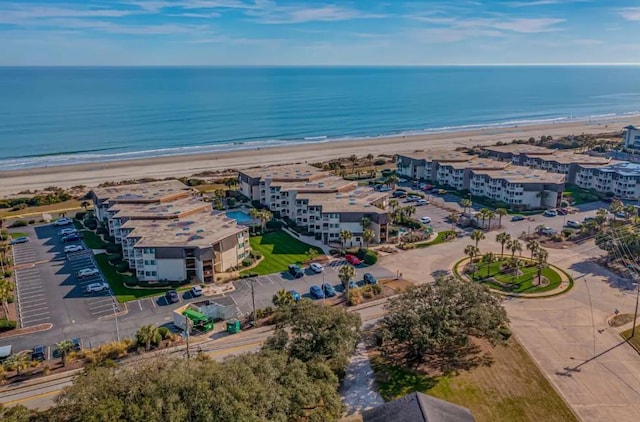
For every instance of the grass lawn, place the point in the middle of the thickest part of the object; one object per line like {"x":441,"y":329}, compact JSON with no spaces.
{"x":580,"y":196}
{"x":15,"y":235}
{"x":512,"y":389}
{"x":92,"y":240}
{"x":279,"y":249}
{"x":431,"y":242}
{"x":525,"y":282}
{"x":635,"y":340}
{"x":116,"y":281}
{"x":68,"y":206}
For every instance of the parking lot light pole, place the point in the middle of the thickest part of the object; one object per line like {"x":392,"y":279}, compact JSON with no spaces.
{"x":115,"y":314}
{"x":324,"y":296}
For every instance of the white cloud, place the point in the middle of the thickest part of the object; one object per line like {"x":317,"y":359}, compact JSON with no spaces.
{"x":529,"y":26}
{"x":543,"y":2}
{"x":630,"y":13}
{"x":270,"y":13}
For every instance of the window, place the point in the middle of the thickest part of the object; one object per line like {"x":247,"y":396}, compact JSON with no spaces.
{"x":154,"y":274}
{"x":146,"y":262}
{"x":147,"y":273}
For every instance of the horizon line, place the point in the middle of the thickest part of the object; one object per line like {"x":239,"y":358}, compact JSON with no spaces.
{"x":319,"y":65}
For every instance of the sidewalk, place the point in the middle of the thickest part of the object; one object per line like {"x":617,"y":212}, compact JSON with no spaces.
{"x":359,"y":389}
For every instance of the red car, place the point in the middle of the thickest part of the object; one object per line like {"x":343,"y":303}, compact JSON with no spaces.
{"x":352,"y":259}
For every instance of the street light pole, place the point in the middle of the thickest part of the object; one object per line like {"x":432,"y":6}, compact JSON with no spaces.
{"x":635,"y":314}
{"x":253,"y":300}
{"x":324,"y":296}
{"x":115,"y":314}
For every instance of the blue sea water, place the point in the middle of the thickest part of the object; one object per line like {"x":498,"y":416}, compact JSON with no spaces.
{"x":54,"y":116}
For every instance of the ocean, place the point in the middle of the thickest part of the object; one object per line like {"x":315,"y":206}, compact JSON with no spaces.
{"x":57,"y":116}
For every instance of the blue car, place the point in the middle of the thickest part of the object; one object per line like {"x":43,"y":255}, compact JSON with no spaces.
{"x":295,"y":295}
{"x":316,"y":292}
{"x":369,"y":278}
{"x":328,"y":290}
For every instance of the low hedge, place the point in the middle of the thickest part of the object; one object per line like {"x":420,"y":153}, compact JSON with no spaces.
{"x":113,"y":248}
{"x":7,"y":324}
{"x":122,"y":267}
{"x":115,"y":259}
{"x":19,"y":223}
{"x":80,"y":215}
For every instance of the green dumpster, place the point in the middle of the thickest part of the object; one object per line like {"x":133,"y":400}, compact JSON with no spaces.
{"x":233,"y":326}
{"x":199,"y":321}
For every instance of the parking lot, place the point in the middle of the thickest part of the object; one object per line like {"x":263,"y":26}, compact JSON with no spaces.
{"x":31,"y":298}
{"x":98,"y":304}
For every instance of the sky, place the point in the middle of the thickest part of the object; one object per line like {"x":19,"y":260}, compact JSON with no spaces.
{"x":299,"y":32}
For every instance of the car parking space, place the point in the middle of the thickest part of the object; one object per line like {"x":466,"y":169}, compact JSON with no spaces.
{"x":23,"y":253}
{"x":31,"y":298}
{"x":99,"y":303}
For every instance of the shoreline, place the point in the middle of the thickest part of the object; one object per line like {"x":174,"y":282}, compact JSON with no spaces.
{"x":92,"y":174}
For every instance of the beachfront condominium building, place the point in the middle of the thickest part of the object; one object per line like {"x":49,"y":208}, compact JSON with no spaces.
{"x":631,"y":137}
{"x":621,"y":179}
{"x":168,"y":233}
{"x":423,"y":165}
{"x":457,"y":175}
{"x":322,"y":203}
{"x":520,"y":188}
{"x":513,"y":152}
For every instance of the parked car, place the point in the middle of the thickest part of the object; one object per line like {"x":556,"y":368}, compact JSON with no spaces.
{"x":316,"y":268}
{"x":548,"y":231}
{"x":96,"y":287}
{"x":88,"y":272}
{"x":426,"y":187}
{"x":73,"y":248}
{"x":67,"y":231}
{"x":413,"y":198}
{"x":369,"y":278}
{"x":295,"y":295}
{"x":441,"y":191}
{"x":573,"y":224}
{"x":425,"y":220}
{"x":328,"y":290}
{"x":563,"y":211}
{"x":64,"y":221}
{"x":517,"y":218}
{"x":622,"y":214}
{"x":196,"y":291}
{"x":23,"y":239}
{"x":384,"y":189}
{"x":352,"y":259}
{"x":587,"y":219}
{"x":316,"y":292}
{"x":74,"y":237}
{"x":77,"y":344}
{"x":296,"y":271}
{"x":550,"y":213}
{"x":171,"y":296}
{"x":420,"y":202}
{"x":399,"y":194}
{"x":39,"y":353}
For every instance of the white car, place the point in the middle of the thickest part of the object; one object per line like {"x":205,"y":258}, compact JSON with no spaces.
{"x":88,"y":272}
{"x":548,"y":231}
{"x":420,"y":202}
{"x":73,"y":248}
{"x":316,"y":268}
{"x":550,"y":213}
{"x":64,"y":221}
{"x":573,"y":224}
{"x":196,"y":291}
{"x":425,"y":220}
{"x":96,"y":287}
{"x":384,"y":189}
{"x":414,"y":198}
{"x":67,"y":231}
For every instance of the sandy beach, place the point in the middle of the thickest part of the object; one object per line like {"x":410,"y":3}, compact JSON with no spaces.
{"x":186,"y":165}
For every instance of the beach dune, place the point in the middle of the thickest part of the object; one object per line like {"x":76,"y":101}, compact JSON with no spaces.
{"x":93,"y":174}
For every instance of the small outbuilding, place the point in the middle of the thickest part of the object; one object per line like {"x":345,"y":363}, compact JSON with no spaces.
{"x":418,"y":407}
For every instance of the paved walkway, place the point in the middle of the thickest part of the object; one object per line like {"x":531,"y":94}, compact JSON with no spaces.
{"x":359,"y":389}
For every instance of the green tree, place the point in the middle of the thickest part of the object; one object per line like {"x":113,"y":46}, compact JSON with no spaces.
{"x":514,"y":246}
{"x":465,"y":204}
{"x":264,"y":216}
{"x":540,"y":257}
{"x":310,"y":332}
{"x":488,"y":259}
{"x":312,"y":253}
{"x":601,"y":216}
{"x":148,"y":334}
{"x":471,"y":251}
{"x":484,"y":214}
{"x":354,"y":159}
{"x":616,"y":207}
{"x":345,"y":236}
{"x":64,"y":347}
{"x":502,"y":239}
{"x":6,"y":292}
{"x":85,"y":205}
{"x":365,"y":222}
{"x":346,"y":273}
{"x":453,"y":219}
{"x":368,"y":236}
{"x":490,"y":216}
{"x":18,"y":362}
{"x":282,"y":298}
{"x":391,"y":180}
{"x":477,"y":236}
{"x":533,"y":246}
{"x":501,"y":213}
{"x":370,"y":158}
{"x":433,"y":324}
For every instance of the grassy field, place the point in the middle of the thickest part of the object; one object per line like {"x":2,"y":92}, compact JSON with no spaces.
{"x":116,"y":281}
{"x":92,"y":240}
{"x":511,"y":390}
{"x":70,"y":207}
{"x":279,"y":249}
{"x":525,"y":282}
{"x":438,"y":240}
{"x":15,"y":235}
{"x":580,"y":196}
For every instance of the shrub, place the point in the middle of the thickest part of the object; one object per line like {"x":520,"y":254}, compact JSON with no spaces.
{"x":122,"y":267}
{"x":246,"y":262}
{"x":32,"y":221}
{"x":101,"y":230}
{"x":255,"y":255}
{"x":80,"y":215}
{"x":164,"y":332}
{"x":355,"y":297}
{"x":367,"y":292}
{"x":231,"y":202}
{"x":19,"y":223}
{"x":376,"y":288}
{"x":19,"y":207}
{"x":115,"y":259}
{"x":112,"y":248}
{"x":274,"y":224}
{"x":7,"y":324}
{"x":8,"y":273}
{"x":110,"y":239}
{"x":370,"y":258}
{"x":132,"y":282}
{"x":91,"y":224}
{"x":334,"y":252}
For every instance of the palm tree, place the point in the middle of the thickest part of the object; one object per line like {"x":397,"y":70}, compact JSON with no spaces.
{"x":345,"y":236}
{"x":514,"y":246}
{"x":465,"y":204}
{"x":148,"y":334}
{"x":471,"y":251}
{"x":488,"y":259}
{"x":346,"y":274}
{"x":19,"y":362}
{"x":483,"y":215}
{"x":490,"y":216}
{"x":264,"y":216}
{"x":453,"y":218}
{"x":312,"y":253}
{"x":541,"y":256}
{"x":368,"y":235}
{"x":6,"y":292}
{"x":616,"y":207}
{"x":370,"y":158}
{"x":533,"y":246}
{"x":64,"y":347}
{"x":408,"y":211}
{"x":601,"y":216}
{"x":502,"y":239}
{"x":391,"y":180}
{"x":393,"y":204}
{"x":282,"y":298}
{"x":477,"y":236}
{"x":365,"y":222}
{"x":354,"y":159}
{"x":501,"y":213}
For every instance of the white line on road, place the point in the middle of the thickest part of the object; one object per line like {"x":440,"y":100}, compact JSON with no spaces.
{"x":30,"y":316}
{"x":140,"y":304}
{"x":31,"y":321}
{"x":96,"y":308}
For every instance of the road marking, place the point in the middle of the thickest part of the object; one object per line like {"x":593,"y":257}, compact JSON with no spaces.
{"x":97,"y":308}
{"x":30,"y":296}
{"x":34,"y":397}
{"x":153,"y":302}
{"x":140,"y":304}
{"x":36,"y":314}
{"x":39,"y":287}
{"x":31,"y":304}
{"x":34,"y":321}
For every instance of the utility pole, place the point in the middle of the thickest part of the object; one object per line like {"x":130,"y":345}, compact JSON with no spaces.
{"x":635,"y":314}
{"x":115,"y":314}
{"x":253,"y":300}
{"x":188,"y":331}
{"x":324,"y":296}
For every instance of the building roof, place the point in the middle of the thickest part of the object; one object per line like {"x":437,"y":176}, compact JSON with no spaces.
{"x":199,"y":230}
{"x":566,"y":157}
{"x":479,"y":164}
{"x":631,"y":127}
{"x":165,"y":210}
{"x":327,"y":183}
{"x":524,"y":175}
{"x":159,"y":191}
{"x":418,"y":407}
{"x":357,"y":200}
{"x":285,"y":173}
{"x":442,"y":156}
{"x":622,"y":168}
{"x":520,"y":149}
